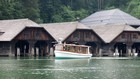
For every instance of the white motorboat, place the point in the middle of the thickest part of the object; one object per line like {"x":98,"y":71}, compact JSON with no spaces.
{"x":72,"y":51}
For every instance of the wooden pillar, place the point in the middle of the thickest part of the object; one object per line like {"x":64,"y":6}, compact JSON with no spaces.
{"x":37,"y":51}
{"x":18,"y":51}
{"x":12,"y":48}
{"x":100,"y":52}
{"x":129,"y":49}
{"x":48,"y":48}
{"x":110,"y":51}
{"x":33,"y":52}
{"x":99,"y":49}
{"x":10,"y":53}
{"x":96,"y":50}
{"x":134,"y":53}
{"x":116,"y":53}
{"x":51,"y":51}
{"x":31,"y":48}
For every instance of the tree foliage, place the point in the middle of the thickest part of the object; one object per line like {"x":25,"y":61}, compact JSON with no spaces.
{"x":62,"y":10}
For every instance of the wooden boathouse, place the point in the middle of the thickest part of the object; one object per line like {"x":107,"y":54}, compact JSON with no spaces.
{"x":23,"y":37}
{"x":118,"y":30}
{"x":107,"y":32}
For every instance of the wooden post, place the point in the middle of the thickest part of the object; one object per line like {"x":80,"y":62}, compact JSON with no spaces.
{"x":48,"y":49}
{"x":24,"y":50}
{"x":133,"y":51}
{"x":129,"y":49}
{"x":33,"y":52}
{"x":51,"y":51}
{"x":96,"y":51}
{"x":31,"y":47}
{"x":10,"y":53}
{"x":116,"y":52}
{"x":110,"y":52}
{"x":37,"y":51}
{"x":18,"y":51}
{"x":12,"y":48}
{"x":100,"y":52}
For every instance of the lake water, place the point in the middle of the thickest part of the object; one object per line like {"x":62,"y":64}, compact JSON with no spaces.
{"x":51,"y":68}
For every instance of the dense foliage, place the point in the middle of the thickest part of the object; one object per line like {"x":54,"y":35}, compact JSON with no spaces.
{"x":47,"y":11}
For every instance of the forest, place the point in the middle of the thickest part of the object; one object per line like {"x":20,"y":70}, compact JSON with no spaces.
{"x":50,"y":11}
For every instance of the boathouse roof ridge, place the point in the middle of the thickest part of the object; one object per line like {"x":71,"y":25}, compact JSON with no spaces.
{"x":110,"y":16}
{"x":82,"y":26}
{"x":11,"y":28}
{"x":60,"y":30}
{"x":108,"y":32}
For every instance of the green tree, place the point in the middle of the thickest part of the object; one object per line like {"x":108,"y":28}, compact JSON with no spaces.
{"x":10,"y":9}
{"x":134,"y":8}
{"x":49,"y":9}
{"x":31,"y":10}
{"x":6,"y":9}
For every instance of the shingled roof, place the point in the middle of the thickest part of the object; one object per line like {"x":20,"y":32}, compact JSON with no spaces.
{"x":64,"y":29}
{"x":11,"y":28}
{"x":113,"y":16}
{"x":110,"y":31}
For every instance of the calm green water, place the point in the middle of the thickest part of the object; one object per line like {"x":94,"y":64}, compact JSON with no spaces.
{"x":50,"y":68}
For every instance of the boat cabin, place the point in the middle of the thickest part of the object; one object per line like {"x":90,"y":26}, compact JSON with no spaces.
{"x":83,"y":49}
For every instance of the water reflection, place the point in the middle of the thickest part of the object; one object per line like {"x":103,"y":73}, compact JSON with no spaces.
{"x":71,"y":68}
{"x":50,"y":68}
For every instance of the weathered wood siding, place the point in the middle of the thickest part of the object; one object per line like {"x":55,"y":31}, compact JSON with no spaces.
{"x":128,"y":37}
{"x":33,"y":34}
{"x":83,"y":35}
{"x":4,"y":48}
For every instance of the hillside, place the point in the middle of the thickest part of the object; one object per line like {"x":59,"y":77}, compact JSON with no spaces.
{"x":46,"y":11}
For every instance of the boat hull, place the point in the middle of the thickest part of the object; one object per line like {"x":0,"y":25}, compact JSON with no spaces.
{"x":65,"y":54}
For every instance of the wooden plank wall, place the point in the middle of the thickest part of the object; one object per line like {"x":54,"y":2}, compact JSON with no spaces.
{"x":83,"y":35}
{"x":33,"y":34}
{"x":4,"y":48}
{"x":130,"y":37}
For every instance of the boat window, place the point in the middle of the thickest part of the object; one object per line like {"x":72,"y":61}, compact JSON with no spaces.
{"x":76,"y":49}
{"x":59,"y":47}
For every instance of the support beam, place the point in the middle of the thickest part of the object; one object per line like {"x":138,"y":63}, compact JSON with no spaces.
{"x":18,"y":51}
{"x":129,"y":47}
{"x":33,"y":52}
{"x":129,"y":51}
{"x":100,"y":52}
{"x":12,"y":48}
{"x":37,"y":51}
{"x":51,"y":51}
{"x":116,"y":53}
{"x":10,"y":53}
{"x":31,"y":48}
